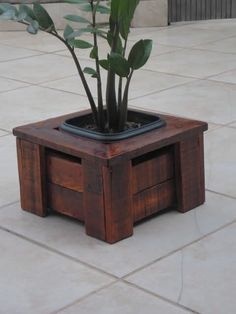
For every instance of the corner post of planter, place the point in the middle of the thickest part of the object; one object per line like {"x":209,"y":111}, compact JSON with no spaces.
{"x":31,"y":165}
{"x":190,"y":181}
{"x":108,"y":200}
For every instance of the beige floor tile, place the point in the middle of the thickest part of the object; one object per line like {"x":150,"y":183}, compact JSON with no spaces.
{"x":228,"y":77}
{"x":226,"y":45}
{"x":9,"y":189}
{"x":34,"y":103}
{"x":151,"y":240}
{"x":122,"y":298}
{"x":9,"y":53}
{"x":143,"y":83}
{"x":2,"y":133}
{"x":34,"y":280}
{"x":233,"y":125}
{"x":38,"y":69}
{"x":205,"y":100}
{"x":7,"y":84}
{"x":40,"y":42}
{"x":224,"y":26}
{"x":183,"y":36}
{"x":220,"y":154}
{"x":193,"y":62}
{"x":201,"y":276}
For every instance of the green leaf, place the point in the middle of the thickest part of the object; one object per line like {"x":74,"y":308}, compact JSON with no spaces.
{"x":119,"y":64}
{"x":76,"y":1}
{"x":90,"y":71}
{"x":87,"y":30}
{"x":33,"y":27}
{"x":67,"y":31}
{"x":76,"y":18}
{"x":94,"y":53}
{"x":104,"y":64}
{"x":30,"y":16}
{"x":43,"y":18}
{"x":140,"y":53}
{"x":7,"y":11}
{"x":78,"y":43}
{"x":102,"y":9}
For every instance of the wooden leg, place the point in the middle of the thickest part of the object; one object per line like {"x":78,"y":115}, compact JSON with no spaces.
{"x":31,"y":165}
{"x":108,"y":201}
{"x":190,"y":183}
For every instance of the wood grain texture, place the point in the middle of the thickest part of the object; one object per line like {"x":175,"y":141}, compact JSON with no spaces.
{"x":65,"y":201}
{"x":153,"y":169}
{"x":46,"y":133}
{"x":154,"y":199}
{"x":115,"y":184}
{"x":190,"y":180}
{"x":64,"y":171}
{"x":118,"y":201}
{"x":93,"y":200}
{"x":31,"y":165}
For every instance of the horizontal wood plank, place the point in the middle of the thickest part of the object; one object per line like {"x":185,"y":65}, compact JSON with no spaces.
{"x":65,"y":201}
{"x":158,"y":168}
{"x":154,"y":199}
{"x":64,"y":171}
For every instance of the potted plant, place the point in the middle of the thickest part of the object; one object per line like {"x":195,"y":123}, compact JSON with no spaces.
{"x":108,"y":166}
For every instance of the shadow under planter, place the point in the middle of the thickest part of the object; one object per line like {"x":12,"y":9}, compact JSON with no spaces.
{"x":110,"y":186}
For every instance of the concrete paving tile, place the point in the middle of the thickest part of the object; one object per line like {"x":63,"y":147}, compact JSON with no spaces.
{"x":233,"y":125}
{"x":34,"y":280}
{"x":2,"y":133}
{"x":38,"y":69}
{"x":226,"y":45}
{"x":193,"y":63}
{"x":204,"y":100}
{"x":41,"y":42}
{"x":201,"y":276}
{"x":228,"y":77}
{"x":8,"y":53}
{"x":122,"y":298}
{"x":7,"y":84}
{"x":220,"y":154}
{"x":184,"y":36}
{"x":151,"y":240}
{"x":9,"y":189}
{"x":143,"y":83}
{"x":35,"y":103}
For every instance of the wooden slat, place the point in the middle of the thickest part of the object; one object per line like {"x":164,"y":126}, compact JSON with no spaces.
{"x":118,"y":201}
{"x":64,"y":171}
{"x":31,"y":165}
{"x":154,"y":199}
{"x":65,"y":201}
{"x":190,"y":181}
{"x":93,"y":199}
{"x":153,"y":171}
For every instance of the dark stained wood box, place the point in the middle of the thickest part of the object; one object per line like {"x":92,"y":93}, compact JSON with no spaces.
{"x":111,"y":186}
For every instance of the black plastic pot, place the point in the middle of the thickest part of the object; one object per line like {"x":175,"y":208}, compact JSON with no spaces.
{"x":148,"y":123}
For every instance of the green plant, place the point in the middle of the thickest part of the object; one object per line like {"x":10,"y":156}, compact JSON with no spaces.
{"x":111,"y":117}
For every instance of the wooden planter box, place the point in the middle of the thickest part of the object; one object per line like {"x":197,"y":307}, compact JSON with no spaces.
{"x":111,"y":186}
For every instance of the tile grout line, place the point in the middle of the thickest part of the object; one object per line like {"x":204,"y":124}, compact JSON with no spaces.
{"x":8,"y":204}
{"x":178,"y":249}
{"x":221,"y":194}
{"x":79,"y":300}
{"x":183,"y":307}
{"x":52,"y":250}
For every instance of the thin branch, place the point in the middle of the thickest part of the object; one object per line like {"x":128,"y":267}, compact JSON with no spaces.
{"x":99,"y":81}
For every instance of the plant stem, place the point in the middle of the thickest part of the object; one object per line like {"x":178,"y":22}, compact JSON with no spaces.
{"x":120,"y":81}
{"x":111,"y":90}
{"x":124,"y":107}
{"x":81,"y":74}
{"x":101,"y":119}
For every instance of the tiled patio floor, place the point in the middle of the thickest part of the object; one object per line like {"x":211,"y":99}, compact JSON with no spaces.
{"x":174,"y":264}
